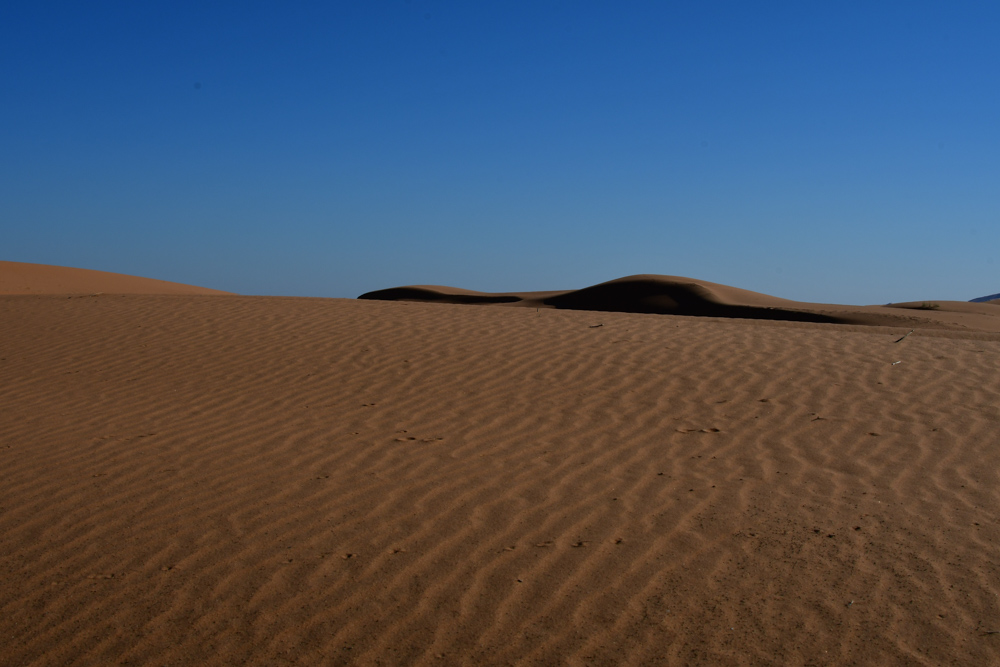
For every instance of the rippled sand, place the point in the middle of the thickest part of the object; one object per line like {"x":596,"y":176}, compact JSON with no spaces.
{"x":246,"y":480}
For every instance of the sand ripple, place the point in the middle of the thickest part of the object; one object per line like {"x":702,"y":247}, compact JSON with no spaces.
{"x":246,"y":480}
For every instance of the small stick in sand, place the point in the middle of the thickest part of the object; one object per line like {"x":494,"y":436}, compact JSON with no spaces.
{"x":904,"y":336}
{"x":896,"y":362}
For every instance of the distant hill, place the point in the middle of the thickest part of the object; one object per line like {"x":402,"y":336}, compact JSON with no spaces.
{"x":676,"y":295}
{"x":22,"y":278}
{"x":984,"y":299}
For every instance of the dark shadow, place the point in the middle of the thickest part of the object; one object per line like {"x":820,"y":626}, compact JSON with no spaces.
{"x":430,"y":295}
{"x":662,"y":298}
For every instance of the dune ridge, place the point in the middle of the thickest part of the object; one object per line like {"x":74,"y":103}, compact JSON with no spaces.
{"x":250,"y":480}
{"x":24,"y":278}
{"x":675,"y":295}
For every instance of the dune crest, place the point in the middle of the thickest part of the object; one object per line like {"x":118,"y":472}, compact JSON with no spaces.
{"x":25,"y":278}
{"x":676,"y":295}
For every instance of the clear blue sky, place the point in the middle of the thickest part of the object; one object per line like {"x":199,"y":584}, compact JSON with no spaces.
{"x":842,"y":152}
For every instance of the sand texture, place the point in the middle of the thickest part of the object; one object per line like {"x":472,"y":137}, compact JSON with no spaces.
{"x":23,"y":278}
{"x":220,"y":480}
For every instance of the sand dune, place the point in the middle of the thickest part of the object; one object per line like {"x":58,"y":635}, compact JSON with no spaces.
{"x":22,"y":278}
{"x":674,"y":295}
{"x":403,"y":479}
{"x":247,"y":480}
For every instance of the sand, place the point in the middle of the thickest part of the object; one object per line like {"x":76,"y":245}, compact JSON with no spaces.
{"x":24,"y":278}
{"x":676,"y":295}
{"x":218,"y":480}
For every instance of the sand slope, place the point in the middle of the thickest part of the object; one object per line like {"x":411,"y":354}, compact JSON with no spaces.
{"x":675,"y":295}
{"x":23,"y":278}
{"x":243,"y":480}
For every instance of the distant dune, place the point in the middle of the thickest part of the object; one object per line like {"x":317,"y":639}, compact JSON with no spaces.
{"x":994,"y":298}
{"x":675,"y":295}
{"x":22,"y":278}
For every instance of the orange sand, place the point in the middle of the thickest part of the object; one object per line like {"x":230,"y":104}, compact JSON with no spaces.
{"x":22,"y":278}
{"x":244,"y":480}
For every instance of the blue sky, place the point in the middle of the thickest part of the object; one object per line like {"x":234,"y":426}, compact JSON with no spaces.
{"x":841,"y":152}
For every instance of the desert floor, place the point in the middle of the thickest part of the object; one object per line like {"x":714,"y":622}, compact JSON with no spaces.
{"x":225,"y":480}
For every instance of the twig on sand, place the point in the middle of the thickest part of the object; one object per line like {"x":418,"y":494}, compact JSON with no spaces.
{"x":594,"y":326}
{"x":899,"y":340}
{"x":991,"y":632}
{"x":896,"y":362}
